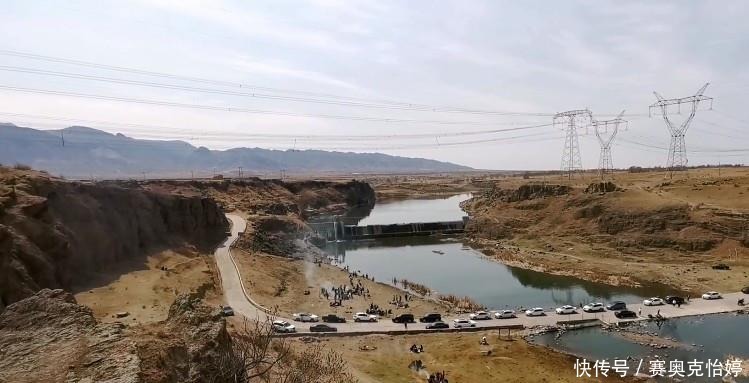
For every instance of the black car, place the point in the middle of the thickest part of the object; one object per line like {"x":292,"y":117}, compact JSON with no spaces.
{"x":404,"y":318}
{"x":674,"y":300}
{"x":227,"y":311}
{"x":745,"y":290}
{"x":624,"y":314}
{"x":322,"y":328}
{"x":332,"y":318}
{"x":617,"y":305}
{"x":438,"y":325}
{"x":431,"y":317}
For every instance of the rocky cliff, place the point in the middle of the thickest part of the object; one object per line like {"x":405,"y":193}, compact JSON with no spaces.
{"x":58,"y":234}
{"x":48,"y":337}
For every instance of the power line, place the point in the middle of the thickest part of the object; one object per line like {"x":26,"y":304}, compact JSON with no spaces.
{"x":154,"y":129}
{"x":362,"y":102}
{"x":114,"y":80}
{"x":73,"y":139}
{"x":234,"y":109}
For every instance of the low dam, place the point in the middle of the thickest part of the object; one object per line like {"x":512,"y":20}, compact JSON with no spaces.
{"x":336,"y":229}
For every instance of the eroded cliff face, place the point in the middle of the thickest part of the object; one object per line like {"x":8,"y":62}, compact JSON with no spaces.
{"x":58,"y":234}
{"x":48,"y":337}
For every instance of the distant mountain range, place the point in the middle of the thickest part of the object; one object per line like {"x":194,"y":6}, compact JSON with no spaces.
{"x":81,"y":152}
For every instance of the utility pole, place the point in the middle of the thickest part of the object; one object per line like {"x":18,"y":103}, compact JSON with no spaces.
{"x":571,"y":160}
{"x":239,"y":172}
{"x":606,"y":131}
{"x":677,"y":149}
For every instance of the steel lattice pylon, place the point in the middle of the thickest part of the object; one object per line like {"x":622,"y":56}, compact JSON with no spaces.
{"x":571,"y":159}
{"x":606,"y":132}
{"x":677,"y":149}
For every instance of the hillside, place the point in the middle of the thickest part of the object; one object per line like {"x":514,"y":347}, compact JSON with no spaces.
{"x":58,"y":234}
{"x":639,"y":229}
{"x":81,"y":152}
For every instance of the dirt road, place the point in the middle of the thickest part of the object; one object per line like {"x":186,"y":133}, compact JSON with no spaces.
{"x":236,"y":296}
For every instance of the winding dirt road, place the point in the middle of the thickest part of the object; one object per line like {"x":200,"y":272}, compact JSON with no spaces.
{"x":237,"y":296}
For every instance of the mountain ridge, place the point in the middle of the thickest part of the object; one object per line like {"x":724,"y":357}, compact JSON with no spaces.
{"x":83,"y":152}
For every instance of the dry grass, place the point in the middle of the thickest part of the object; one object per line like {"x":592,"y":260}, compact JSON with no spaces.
{"x":458,"y":354}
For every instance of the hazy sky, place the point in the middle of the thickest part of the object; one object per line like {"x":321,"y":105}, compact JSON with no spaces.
{"x":530,"y":57}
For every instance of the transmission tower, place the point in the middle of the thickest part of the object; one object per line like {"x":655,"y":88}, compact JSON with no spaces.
{"x":606,"y":131}
{"x":571,"y":161}
{"x":677,"y":149}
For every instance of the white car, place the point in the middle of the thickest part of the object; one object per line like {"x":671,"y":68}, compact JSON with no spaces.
{"x":462,"y":323}
{"x":711,"y":295}
{"x":594,"y":307}
{"x":504,"y":314}
{"x":306,"y":317}
{"x":364,"y":317}
{"x":566,"y":309}
{"x":283,"y":326}
{"x":654,"y":301}
{"x":535,"y":312}
{"x":480,"y":315}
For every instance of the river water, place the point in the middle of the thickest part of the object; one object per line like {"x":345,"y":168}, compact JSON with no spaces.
{"x":718,"y":336}
{"x":447,"y":266}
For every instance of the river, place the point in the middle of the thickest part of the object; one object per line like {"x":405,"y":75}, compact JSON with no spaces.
{"x":447,"y":266}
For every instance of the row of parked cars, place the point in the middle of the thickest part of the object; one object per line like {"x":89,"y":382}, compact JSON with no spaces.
{"x":434,"y":320}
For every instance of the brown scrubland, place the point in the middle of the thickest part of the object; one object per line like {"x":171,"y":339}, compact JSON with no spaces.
{"x":639,"y":228}
{"x":137,"y":256}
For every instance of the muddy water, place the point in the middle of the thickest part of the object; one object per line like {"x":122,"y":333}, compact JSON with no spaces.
{"x":449,"y":267}
{"x":718,"y":336}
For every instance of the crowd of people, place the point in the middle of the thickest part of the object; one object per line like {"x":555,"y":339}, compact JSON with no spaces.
{"x":437,"y":377}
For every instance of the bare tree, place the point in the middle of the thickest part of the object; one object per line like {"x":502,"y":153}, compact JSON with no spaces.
{"x":257,"y":354}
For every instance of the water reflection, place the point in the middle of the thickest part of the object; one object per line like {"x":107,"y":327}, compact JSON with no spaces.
{"x":449,"y":267}
{"x":717,"y":336}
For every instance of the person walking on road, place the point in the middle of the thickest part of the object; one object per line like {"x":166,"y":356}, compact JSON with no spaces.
{"x":405,"y":324}
{"x":639,"y":312}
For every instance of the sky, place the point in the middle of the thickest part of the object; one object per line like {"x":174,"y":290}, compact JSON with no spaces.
{"x":411,"y":78}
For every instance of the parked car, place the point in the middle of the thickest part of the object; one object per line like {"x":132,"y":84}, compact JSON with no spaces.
{"x":745,"y":290}
{"x":711,"y":295}
{"x":594,"y":307}
{"x":404,"y":318}
{"x":624,"y":314}
{"x":431,"y":317}
{"x":480,"y":315}
{"x":306,"y":317}
{"x":504,"y":314}
{"x":364,"y":317}
{"x":283,"y":326}
{"x":616,"y":305}
{"x":322,"y":328}
{"x":654,"y":301}
{"x":463,"y":323}
{"x":332,"y":318}
{"x":674,"y":300}
{"x":535,"y":312}
{"x":437,"y":325}
{"x":227,"y":311}
{"x":566,"y":309}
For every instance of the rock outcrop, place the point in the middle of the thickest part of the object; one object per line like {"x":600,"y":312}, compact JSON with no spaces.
{"x":48,"y":337}
{"x":58,"y":234}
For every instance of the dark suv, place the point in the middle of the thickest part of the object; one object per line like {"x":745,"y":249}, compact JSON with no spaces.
{"x":617,"y":305}
{"x":674,"y":300}
{"x":332,"y":318}
{"x":431,"y":317}
{"x":404,"y":318}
